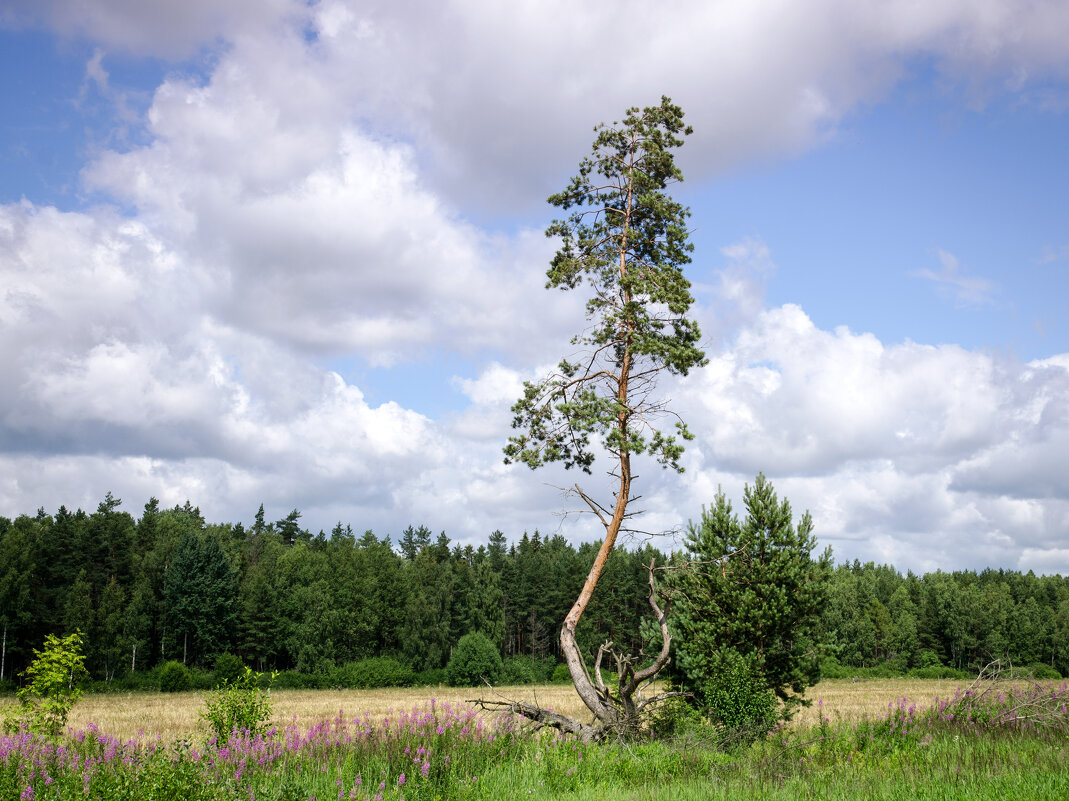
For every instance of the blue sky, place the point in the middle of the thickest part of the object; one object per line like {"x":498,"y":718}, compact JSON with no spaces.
{"x":290,"y":252}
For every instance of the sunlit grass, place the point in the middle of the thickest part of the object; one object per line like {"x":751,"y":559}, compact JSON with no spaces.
{"x":175,"y":715}
{"x":994,"y":740}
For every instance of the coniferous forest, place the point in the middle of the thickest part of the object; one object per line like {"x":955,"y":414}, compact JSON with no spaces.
{"x":168,"y":585}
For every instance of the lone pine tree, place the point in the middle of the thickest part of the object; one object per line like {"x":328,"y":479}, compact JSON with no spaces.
{"x":625,"y":241}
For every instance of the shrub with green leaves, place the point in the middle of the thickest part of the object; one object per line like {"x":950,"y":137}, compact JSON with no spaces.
{"x":474,"y":660}
{"x":561,"y":675}
{"x":521,"y":670}
{"x":228,"y":669}
{"x":51,"y":688}
{"x":736,"y":698}
{"x":242,"y":705}
{"x":366,"y":674}
{"x":175,"y":678}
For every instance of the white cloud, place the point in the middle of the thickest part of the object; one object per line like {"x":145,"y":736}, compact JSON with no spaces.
{"x":951,"y":280}
{"x":312,"y":197}
{"x":151,"y":27}
{"x":1054,"y":561}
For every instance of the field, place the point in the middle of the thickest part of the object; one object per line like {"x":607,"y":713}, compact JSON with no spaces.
{"x":859,"y":740}
{"x":175,"y":715}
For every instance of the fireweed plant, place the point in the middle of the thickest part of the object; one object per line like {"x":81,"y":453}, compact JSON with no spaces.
{"x":1011,"y":740}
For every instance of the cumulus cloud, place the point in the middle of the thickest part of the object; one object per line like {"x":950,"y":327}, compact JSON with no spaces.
{"x":319,"y":192}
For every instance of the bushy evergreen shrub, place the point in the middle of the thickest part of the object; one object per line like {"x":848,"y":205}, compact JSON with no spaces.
{"x":175,"y":678}
{"x":475,"y":659}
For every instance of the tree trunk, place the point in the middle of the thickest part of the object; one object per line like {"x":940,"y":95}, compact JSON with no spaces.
{"x":595,"y":701}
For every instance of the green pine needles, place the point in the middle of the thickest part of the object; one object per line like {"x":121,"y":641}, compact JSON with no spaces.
{"x":627,"y":240}
{"x":746,"y":616}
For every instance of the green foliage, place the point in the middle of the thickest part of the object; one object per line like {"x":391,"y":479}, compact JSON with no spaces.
{"x":561,"y":675}
{"x":200,"y":589}
{"x":676,"y":718}
{"x":747,"y":613}
{"x":242,"y":706}
{"x":939,"y":672}
{"x":378,"y":671}
{"x":295,"y":680}
{"x":627,"y":239}
{"x":175,"y":678}
{"x":432,"y":677}
{"x":1037,"y":671}
{"x":525,"y":670}
{"x":474,"y":660}
{"x":51,"y":688}
{"x":737,"y":696}
{"x":969,"y":746}
{"x":359,"y":589}
{"x":228,"y":669}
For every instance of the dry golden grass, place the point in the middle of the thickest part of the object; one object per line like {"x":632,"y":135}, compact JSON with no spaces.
{"x":845,"y":699}
{"x":175,"y":715}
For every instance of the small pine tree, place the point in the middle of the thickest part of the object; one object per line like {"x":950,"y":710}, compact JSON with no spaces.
{"x":746,"y":613}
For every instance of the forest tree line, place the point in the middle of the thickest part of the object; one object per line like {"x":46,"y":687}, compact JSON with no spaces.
{"x":170,"y":586}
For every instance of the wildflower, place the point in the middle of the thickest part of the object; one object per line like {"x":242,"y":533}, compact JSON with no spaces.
{"x":401,"y":780}
{"x":27,"y":794}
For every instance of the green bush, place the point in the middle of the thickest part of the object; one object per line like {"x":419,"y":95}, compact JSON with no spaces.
{"x":241,"y":706}
{"x":432,"y":677}
{"x":1037,"y":670}
{"x":474,"y":660}
{"x":175,"y":678}
{"x":135,"y":682}
{"x":295,"y":680}
{"x":379,"y":671}
{"x":228,"y":669}
{"x":522,"y":670}
{"x":927,"y":658}
{"x":561,"y":675}
{"x":938,"y":672}
{"x":736,"y":700}
{"x":831,"y":668}
{"x":51,"y":688}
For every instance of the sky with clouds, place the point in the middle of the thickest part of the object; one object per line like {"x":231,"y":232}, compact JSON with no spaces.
{"x":290,"y":252}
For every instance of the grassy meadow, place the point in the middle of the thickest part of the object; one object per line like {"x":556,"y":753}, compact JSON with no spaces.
{"x":175,"y":715}
{"x":866,"y":739}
